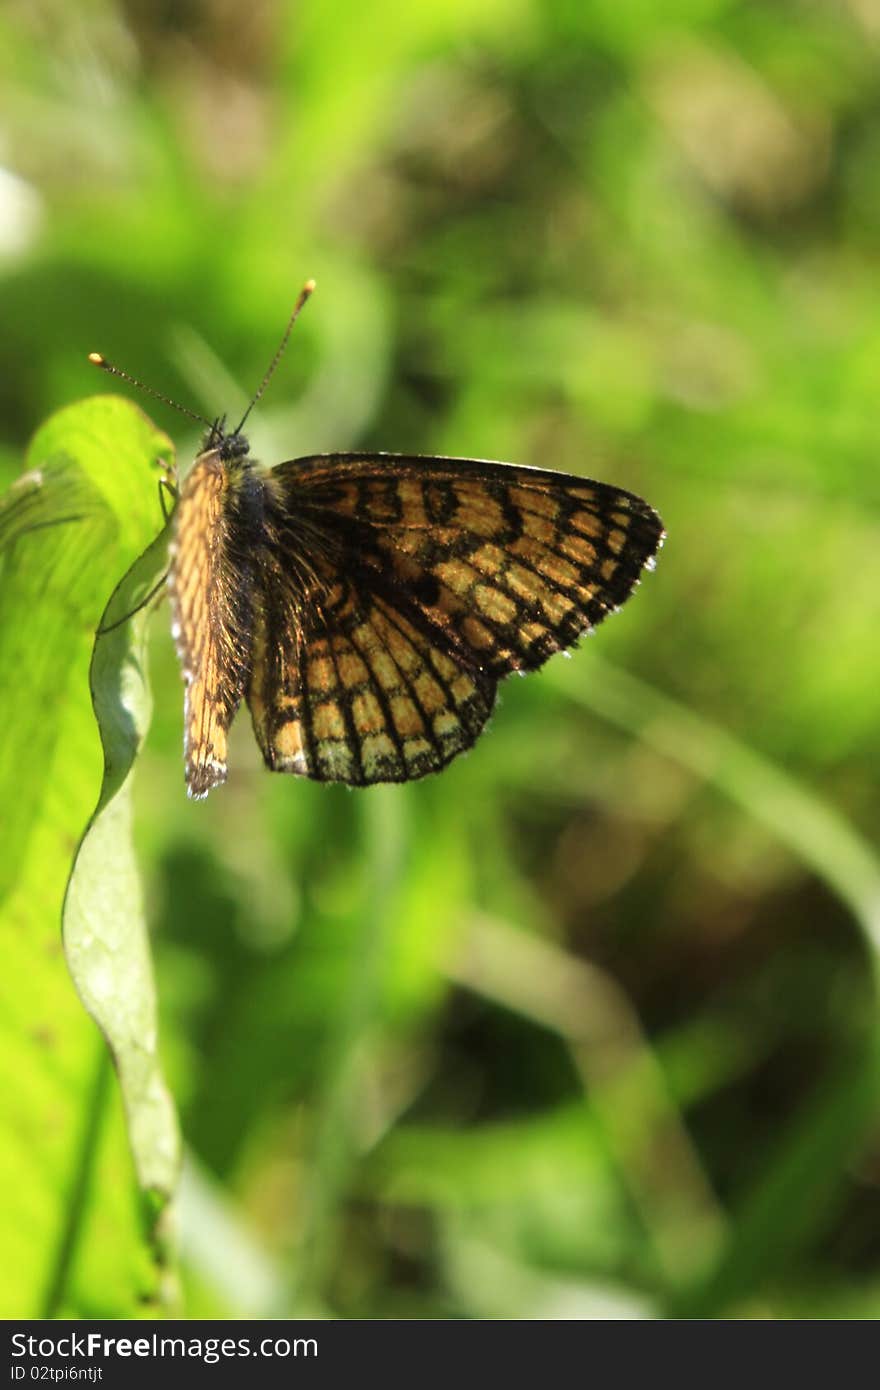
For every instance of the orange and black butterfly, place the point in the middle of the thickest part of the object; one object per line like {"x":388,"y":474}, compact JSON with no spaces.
{"x":365,"y":606}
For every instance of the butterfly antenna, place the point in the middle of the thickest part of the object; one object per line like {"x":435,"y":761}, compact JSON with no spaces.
{"x":304,"y":294}
{"x":98,"y":361}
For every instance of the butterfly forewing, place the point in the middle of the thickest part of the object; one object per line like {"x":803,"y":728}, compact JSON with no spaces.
{"x":507,"y":564}
{"x":367,"y":605}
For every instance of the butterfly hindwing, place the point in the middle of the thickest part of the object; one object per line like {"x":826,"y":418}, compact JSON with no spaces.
{"x":348,"y":689}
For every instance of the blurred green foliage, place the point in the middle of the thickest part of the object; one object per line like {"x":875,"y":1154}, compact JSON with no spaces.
{"x":587,"y":1025}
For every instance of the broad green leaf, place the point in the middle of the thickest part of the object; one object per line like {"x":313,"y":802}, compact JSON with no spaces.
{"x":105,"y":936}
{"x":77,"y":520}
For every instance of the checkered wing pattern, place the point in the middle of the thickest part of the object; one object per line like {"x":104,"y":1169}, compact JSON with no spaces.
{"x":397,"y":591}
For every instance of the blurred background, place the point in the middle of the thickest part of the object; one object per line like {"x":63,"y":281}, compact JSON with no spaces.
{"x":586,"y":1026}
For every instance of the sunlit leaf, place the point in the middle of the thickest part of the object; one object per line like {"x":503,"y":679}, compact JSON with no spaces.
{"x":83,"y":511}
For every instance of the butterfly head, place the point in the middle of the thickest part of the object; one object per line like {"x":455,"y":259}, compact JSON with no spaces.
{"x":229,"y":446}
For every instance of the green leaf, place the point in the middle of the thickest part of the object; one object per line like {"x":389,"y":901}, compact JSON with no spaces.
{"x":105,"y":934}
{"x":80,"y":516}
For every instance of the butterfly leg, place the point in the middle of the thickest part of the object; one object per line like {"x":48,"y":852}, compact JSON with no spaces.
{"x":168,"y":485}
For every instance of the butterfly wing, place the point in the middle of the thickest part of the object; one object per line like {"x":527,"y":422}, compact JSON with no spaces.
{"x":210,"y":588}
{"x":397,"y":591}
{"x":347,"y":687}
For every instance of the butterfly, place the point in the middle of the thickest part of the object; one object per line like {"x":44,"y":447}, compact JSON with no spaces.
{"x":366,"y":605}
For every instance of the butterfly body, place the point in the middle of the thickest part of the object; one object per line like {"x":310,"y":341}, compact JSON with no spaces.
{"x":365,"y":606}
